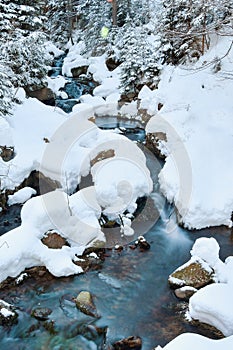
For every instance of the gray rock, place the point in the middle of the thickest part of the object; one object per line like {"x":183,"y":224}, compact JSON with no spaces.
{"x":152,"y":142}
{"x":44,"y":94}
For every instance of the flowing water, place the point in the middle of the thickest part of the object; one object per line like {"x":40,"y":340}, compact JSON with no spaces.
{"x":129,"y":288}
{"x":74,"y":87}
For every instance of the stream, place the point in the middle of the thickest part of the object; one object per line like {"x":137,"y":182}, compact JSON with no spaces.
{"x":129,"y":287}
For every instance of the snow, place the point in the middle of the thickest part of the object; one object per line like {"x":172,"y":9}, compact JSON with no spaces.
{"x":197,"y":175}
{"x":55,"y":84}
{"x":74,"y":59}
{"x":52,"y":49}
{"x":73,"y":141}
{"x":6,"y":313}
{"x":213,"y":303}
{"x":207,"y":249}
{"x":21,"y":196}
{"x":195,"y":341}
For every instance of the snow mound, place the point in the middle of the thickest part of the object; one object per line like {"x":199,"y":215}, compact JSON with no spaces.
{"x":21,"y":196}
{"x":195,"y":341}
{"x":213,"y":303}
{"x":66,"y":150}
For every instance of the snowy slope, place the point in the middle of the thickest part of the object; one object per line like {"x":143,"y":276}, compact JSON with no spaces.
{"x":197,"y":117}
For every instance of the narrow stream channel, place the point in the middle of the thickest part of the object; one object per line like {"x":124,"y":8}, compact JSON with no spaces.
{"x":129,"y":288}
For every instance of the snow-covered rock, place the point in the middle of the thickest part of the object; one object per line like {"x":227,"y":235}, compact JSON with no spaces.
{"x":63,"y":149}
{"x":195,"y":341}
{"x":21,"y":196}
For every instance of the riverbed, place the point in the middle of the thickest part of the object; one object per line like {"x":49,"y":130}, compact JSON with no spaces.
{"x":129,"y":287}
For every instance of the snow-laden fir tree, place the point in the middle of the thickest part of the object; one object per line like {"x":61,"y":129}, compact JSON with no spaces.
{"x":22,"y":16}
{"x":22,"y":42}
{"x":62,"y":17}
{"x":27,"y":58}
{"x":186,"y":26}
{"x":6,"y":91}
{"x":140,"y":63}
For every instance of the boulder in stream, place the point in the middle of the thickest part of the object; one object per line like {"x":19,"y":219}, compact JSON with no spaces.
{"x":195,"y":273}
{"x":184,"y":293}
{"x":84,"y":303}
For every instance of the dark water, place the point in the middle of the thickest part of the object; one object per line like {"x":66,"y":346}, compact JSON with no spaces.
{"x":74,"y":88}
{"x":129,"y":289}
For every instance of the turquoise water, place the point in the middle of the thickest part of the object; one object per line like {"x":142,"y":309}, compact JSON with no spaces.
{"x":129,"y":289}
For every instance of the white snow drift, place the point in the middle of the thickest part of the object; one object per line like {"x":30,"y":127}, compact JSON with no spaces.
{"x":197,"y":118}
{"x":63,"y":149}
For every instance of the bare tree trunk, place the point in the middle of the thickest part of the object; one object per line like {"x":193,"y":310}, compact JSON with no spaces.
{"x":70,"y":20}
{"x":114,"y":12}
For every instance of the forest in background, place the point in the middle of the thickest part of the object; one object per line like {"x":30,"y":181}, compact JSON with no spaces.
{"x":144,"y":35}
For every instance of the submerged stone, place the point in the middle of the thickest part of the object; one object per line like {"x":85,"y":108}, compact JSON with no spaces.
{"x":131,"y":343}
{"x":41,"y":313}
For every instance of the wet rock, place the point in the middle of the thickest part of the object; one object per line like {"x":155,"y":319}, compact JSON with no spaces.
{"x":45,"y":95}
{"x":153,"y":141}
{"x":112,"y":64}
{"x":41,"y":313}
{"x":131,"y":343}
{"x":6,"y":153}
{"x":54,"y":240}
{"x":195,"y":273}
{"x":184,"y":293}
{"x":142,"y":243}
{"x":77,"y":71}
{"x":84,"y":303}
{"x":8,"y":316}
{"x":103,"y":155}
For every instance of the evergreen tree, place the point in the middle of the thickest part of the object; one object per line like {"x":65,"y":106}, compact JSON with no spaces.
{"x":6,"y":91}
{"x":27,"y":59}
{"x":19,"y":16}
{"x":186,"y":25}
{"x":22,"y":44}
{"x":140,"y":66}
